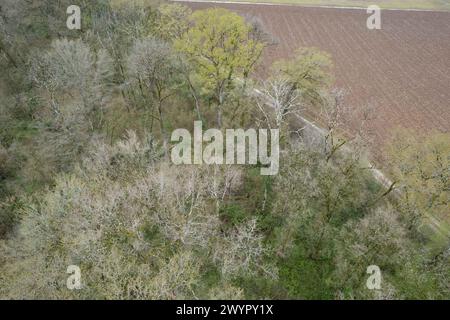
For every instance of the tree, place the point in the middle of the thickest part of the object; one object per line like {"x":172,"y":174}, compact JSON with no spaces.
{"x":420,"y":163}
{"x":71,"y":66}
{"x":172,"y":21}
{"x":259,"y":31}
{"x":337,"y":117}
{"x":220,"y":47}
{"x":152,"y":66}
{"x":242,"y":251}
{"x":314,"y":197}
{"x":309,"y":72}
{"x":115,"y":30}
{"x":378,"y":239}
{"x":281,"y":100}
{"x":75,"y":81}
{"x":113,"y":218}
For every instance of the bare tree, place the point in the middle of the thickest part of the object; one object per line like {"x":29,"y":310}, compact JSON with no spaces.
{"x":379,"y":239}
{"x":259,"y":31}
{"x":338,"y":118}
{"x":152,"y":67}
{"x":70,"y":66}
{"x":335,"y":115}
{"x":281,"y":98}
{"x":242,"y":251}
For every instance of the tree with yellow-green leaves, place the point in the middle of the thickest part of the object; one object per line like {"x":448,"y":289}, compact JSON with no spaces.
{"x":421,"y":167}
{"x":220,"y":46}
{"x":172,"y":21}
{"x":308,"y":71}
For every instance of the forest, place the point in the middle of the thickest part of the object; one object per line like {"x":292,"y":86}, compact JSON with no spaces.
{"x":86,"y":178}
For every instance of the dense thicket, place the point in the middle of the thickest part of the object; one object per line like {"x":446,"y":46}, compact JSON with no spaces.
{"x":85,"y":122}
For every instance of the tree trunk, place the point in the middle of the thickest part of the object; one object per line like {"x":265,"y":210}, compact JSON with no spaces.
{"x":219,"y":110}
{"x":194,"y":95}
{"x":163,"y":131}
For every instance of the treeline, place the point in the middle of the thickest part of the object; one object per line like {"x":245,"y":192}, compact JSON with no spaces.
{"x":86,"y":180}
